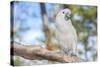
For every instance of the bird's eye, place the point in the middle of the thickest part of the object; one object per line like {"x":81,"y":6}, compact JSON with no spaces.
{"x":63,"y":12}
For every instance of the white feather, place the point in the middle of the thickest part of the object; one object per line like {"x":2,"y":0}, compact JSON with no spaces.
{"x":66,"y":33}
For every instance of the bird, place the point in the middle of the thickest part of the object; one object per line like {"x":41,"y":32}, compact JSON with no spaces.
{"x":66,"y":33}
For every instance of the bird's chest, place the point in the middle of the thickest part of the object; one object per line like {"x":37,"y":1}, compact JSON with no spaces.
{"x":65,"y":30}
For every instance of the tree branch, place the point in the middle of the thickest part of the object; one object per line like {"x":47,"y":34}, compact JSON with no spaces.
{"x":39,"y":53}
{"x":47,"y":32}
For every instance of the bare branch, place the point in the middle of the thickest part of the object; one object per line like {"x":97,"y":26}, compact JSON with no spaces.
{"x":46,"y":29}
{"x":39,"y":53}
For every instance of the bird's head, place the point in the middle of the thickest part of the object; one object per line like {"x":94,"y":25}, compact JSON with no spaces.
{"x":65,"y":13}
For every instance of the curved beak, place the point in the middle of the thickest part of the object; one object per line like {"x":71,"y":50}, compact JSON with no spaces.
{"x":67,"y":16}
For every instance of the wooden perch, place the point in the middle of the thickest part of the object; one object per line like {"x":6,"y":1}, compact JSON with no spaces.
{"x":39,"y":53}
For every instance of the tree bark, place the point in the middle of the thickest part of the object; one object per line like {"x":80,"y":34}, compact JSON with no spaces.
{"x":39,"y":53}
{"x":46,"y":29}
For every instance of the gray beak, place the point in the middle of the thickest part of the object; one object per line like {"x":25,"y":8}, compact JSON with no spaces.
{"x":67,"y":16}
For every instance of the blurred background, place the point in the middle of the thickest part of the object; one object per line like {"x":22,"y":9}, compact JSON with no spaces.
{"x":34,"y":24}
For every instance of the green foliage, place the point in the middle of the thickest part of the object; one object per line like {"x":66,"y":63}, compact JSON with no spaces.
{"x":88,"y":14}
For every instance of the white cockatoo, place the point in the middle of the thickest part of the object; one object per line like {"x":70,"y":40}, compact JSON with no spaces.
{"x":66,"y":33}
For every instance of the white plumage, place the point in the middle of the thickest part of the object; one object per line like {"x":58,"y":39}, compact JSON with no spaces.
{"x":66,"y":33}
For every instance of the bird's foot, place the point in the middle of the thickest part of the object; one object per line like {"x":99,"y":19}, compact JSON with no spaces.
{"x":73,"y":55}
